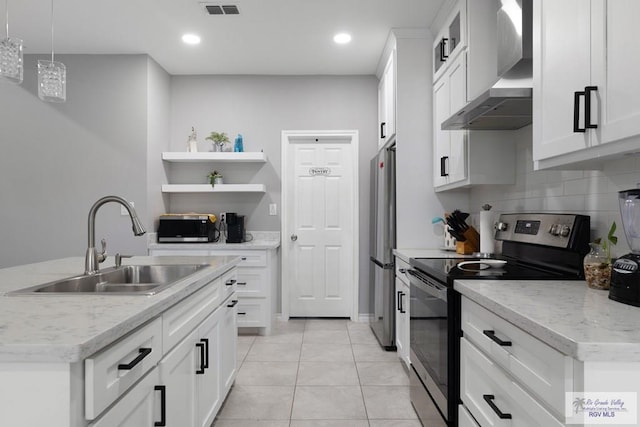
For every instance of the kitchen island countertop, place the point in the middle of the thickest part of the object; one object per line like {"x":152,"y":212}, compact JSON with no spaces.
{"x":68,"y":328}
{"x":577,"y":321}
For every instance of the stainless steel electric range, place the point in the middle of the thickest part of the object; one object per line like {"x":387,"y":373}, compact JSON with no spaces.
{"x":534,"y":247}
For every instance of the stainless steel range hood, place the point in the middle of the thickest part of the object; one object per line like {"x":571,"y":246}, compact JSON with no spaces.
{"x":507,"y":104}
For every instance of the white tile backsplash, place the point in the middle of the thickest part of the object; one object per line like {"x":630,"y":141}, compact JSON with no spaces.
{"x":587,"y":192}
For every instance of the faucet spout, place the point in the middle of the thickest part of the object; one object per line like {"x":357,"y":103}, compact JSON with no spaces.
{"x":92,"y":257}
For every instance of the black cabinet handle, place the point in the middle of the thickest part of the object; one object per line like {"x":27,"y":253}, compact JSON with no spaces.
{"x":200,"y":370}
{"x":230,"y":282}
{"x":144,"y":352}
{"x":233,"y":303}
{"x":489,"y":399}
{"x":205,"y":365}
{"x":163,"y":405}
{"x":443,"y":166}
{"x":242,"y":313}
{"x":399,"y":301}
{"x":443,"y":44}
{"x":402,"y":310}
{"x":576,"y":112}
{"x":382,"y":125}
{"x":494,"y":338}
{"x":587,"y":107}
{"x":242,"y":283}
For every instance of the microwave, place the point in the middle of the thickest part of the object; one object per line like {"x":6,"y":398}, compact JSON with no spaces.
{"x":188,"y":228}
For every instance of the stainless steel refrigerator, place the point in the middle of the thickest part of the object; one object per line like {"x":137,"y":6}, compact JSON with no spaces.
{"x":382,"y":240}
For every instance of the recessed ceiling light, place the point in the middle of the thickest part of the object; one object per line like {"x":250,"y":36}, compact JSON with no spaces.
{"x":342,"y":38}
{"x":191,"y":39}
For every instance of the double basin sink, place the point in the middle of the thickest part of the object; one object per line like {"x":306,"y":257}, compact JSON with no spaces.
{"x":124,"y":280}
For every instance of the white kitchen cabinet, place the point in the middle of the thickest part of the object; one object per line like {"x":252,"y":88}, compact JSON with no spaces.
{"x":451,"y":38}
{"x":228,"y":345}
{"x":387,"y":101}
{"x":209,"y":382}
{"x":257,"y":276}
{"x":143,"y":406}
{"x":585,"y":107}
{"x":402,"y":311}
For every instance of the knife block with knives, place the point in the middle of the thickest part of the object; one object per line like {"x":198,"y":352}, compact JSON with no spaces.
{"x":467,"y":237}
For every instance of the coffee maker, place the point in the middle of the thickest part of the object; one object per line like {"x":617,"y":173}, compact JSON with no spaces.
{"x":235,"y":228}
{"x":625,"y":274}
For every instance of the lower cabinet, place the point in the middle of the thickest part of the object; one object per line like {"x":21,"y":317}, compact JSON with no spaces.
{"x":144,"y":405}
{"x":402,"y":311}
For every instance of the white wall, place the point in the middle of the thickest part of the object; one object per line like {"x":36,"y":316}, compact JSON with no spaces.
{"x":58,"y":159}
{"x":260,"y":108}
{"x":592,"y":193}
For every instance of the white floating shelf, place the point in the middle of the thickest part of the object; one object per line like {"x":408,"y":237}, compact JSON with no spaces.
{"x":203,"y":157}
{"x":218,"y":188}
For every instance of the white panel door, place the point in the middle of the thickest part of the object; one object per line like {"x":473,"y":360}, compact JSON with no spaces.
{"x":320,"y":215}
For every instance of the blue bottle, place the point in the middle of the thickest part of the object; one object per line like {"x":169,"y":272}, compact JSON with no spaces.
{"x":237,"y":146}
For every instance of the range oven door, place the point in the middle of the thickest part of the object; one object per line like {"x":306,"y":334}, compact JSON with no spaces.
{"x":429,"y":336}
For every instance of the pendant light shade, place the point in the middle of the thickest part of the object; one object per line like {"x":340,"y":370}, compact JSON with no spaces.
{"x":11,"y":55}
{"x":52,"y":76}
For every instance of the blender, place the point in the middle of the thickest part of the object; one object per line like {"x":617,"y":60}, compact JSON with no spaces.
{"x":625,"y":274}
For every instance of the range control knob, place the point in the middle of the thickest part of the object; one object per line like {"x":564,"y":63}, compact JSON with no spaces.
{"x":500,"y":226}
{"x":554,"y":230}
{"x":565,"y":230}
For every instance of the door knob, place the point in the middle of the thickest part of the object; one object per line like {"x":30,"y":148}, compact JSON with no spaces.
{"x":294,"y":237}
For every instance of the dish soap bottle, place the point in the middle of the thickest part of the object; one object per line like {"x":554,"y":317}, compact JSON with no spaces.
{"x":237,"y":146}
{"x":192,"y":143}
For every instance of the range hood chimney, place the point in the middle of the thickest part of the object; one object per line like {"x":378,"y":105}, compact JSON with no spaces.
{"x":507,"y":104}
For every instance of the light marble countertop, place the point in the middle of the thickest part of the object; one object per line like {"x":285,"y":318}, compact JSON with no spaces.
{"x":406,"y":253}
{"x":261,"y":240}
{"x":580,"y":322}
{"x":68,"y":328}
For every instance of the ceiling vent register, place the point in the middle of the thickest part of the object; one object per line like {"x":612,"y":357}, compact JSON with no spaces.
{"x":217,"y":9}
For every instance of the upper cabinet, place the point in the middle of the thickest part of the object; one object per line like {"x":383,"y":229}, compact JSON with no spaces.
{"x":586,"y":89}
{"x":387,"y":101}
{"x":451,"y":39}
{"x":465,"y":158}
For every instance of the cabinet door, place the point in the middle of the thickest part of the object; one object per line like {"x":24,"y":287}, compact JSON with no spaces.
{"x":616,"y":68}
{"x":387,"y":102}
{"x":208,"y":383}
{"x":402,"y":320}
{"x":178,"y":375}
{"x":441,"y":137}
{"x":562,"y":66}
{"x":141,"y":406}
{"x":457,"y":76}
{"x":228,"y":343}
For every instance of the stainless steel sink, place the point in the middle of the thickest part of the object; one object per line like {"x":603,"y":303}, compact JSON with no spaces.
{"x":125,"y":280}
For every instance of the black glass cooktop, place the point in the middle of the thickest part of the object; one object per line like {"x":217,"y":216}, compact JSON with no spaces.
{"x":446,"y":270}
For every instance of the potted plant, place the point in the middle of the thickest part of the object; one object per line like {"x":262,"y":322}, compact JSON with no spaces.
{"x":219,"y":139}
{"x":215,"y":178}
{"x":597,"y":263}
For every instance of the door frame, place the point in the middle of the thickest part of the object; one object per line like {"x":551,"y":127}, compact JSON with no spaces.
{"x":355,"y":219}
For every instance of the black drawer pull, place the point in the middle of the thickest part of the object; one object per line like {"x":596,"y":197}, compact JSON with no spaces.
{"x":163,"y":405}
{"x":242,"y":313}
{"x":402,"y":310}
{"x":494,"y":338}
{"x":242,"y":283}
{"x":382,"y":134}
{"x":244,"y":258}
{"x":489,"y":399}
{"x":233,"y":303}
{"x":230,"y":282}
{"x":399,"y":302}
{"x":587,"y":107}
{"x":576,"y":112}
{"x":144,"y":352}
{"x":200,"y":370}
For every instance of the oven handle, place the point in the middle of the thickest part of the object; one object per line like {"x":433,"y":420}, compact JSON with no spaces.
{"x":431,"y":287}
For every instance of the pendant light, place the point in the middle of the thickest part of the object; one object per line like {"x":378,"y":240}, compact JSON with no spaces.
{"x":52,"y":76}
{"x":11,"y":57}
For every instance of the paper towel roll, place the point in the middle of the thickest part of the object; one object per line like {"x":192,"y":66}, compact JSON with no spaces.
{"x":486,"y":232}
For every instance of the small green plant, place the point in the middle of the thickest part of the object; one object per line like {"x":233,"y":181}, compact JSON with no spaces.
{"x":219,"y":138}
{"x":611,"y":240}
{"x":212,"y":177}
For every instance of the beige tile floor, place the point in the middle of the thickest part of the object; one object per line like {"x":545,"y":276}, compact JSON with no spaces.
{"x":317,"y":373}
